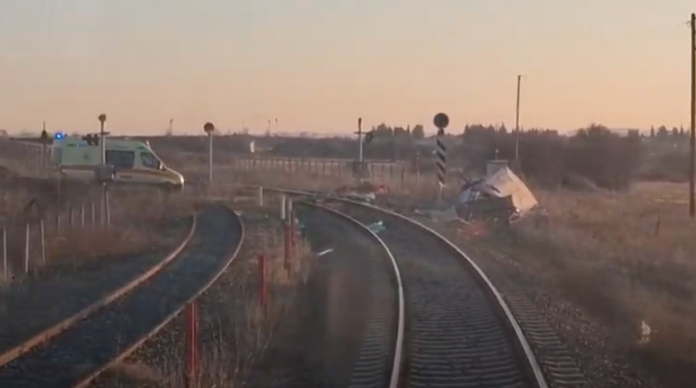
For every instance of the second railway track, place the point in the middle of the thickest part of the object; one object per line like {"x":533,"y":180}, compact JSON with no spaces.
{"x":80,"y":353}
{"x":459,"y":331}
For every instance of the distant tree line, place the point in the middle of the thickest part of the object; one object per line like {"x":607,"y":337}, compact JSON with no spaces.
{"x":663,"y":133}
{"x":593,"y":155}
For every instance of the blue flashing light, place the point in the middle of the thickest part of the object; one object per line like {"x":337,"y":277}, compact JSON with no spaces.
{"x":58,"y":136}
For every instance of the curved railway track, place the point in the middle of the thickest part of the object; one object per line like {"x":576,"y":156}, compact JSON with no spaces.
{"x":379,"y":358}
{"x":459,"y":331}
{"x":81,"y":352}
{"x":447,"y":325}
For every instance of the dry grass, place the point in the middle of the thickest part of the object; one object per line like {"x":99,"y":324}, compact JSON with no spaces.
{"x":623,"y":258}
{"x":236,"y":329}
{"x":407,"y":189}
{"x":228,"y":363}
{"x":304,"y":174}
{"x":74,"y":236}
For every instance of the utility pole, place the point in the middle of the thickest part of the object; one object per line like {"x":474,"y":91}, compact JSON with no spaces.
{"x":360,"y":143}
{"x":692,"y":142}
{"x":44,"y":141}
{"x":517,"y":122}
{"x":361,"y":154}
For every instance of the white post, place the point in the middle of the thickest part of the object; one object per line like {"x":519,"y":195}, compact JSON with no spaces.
{"x":290,"y":216}
{"x":260,"y":196}
{"x":43,"y":242}
{"x":283,"y":204}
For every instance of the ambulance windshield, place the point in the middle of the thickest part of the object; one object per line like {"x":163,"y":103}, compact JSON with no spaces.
{"x":149,"y":160}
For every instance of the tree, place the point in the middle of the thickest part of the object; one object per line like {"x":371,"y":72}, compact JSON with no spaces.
{"x":662,"y":132}
{"x":399,"y":132}
{"x":418,"y":132}
{"x":652,"y":131}
{"x":382,"y":130}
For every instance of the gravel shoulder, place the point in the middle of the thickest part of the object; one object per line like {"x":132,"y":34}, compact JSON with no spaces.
{"x":580,"y":339}
{"x":36,"y":304}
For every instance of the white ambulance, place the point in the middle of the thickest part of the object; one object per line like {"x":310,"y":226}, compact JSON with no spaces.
{"x":134,"y":161}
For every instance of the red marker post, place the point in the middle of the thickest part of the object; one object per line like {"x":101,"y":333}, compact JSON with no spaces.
{"x":291,"y":222}
{"x":191,"y":344}
{"x":286,"y":246}
{"x":262,"y":280}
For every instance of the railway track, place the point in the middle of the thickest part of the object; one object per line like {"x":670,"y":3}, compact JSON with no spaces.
{"x":81,"y":352}
{"x":457,"y":329}
{"x":377,"y":359}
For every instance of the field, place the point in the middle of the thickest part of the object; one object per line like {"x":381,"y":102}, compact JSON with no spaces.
{"x":623,"y":258}
{"x":608,"y":265}
{"x":48,"y":226}
{"x":620,"y":259}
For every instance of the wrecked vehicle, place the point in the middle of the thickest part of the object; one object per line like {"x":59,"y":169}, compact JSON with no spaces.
{"x":501,"y":196}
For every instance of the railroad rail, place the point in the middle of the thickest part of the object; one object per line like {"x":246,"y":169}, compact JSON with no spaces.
{"x":380,"y":357}
{"x":78,"y":354}
{"x":24,"y":345}
{"x":458,"y":331}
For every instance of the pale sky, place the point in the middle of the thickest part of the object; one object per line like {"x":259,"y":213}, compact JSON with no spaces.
{"x":318,"y":65}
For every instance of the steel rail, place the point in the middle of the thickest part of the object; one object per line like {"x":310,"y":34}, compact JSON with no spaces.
{"x":65,"y":324}
{"x":527,"y":355}
{"x":399,"y":340}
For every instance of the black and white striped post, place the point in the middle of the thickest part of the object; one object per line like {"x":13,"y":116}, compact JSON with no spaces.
{"x":441,"y":121}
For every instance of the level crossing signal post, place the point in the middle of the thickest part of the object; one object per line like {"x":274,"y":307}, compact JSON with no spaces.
{"x":104,"y":173}
{"x":209,"y":128}
{"x":360,"y":169}
{"x":441,"y":121}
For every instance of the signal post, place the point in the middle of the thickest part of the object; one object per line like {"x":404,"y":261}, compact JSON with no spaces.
{"x":104,"y":173}
{"x":209,"y":128}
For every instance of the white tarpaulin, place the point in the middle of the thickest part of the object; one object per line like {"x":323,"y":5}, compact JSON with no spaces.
{"x":502,"y":184}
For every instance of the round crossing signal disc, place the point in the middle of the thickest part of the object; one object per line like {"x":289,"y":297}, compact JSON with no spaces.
{"x":441,"y":120}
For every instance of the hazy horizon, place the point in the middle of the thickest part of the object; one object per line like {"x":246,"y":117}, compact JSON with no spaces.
{"x":317,"y":66}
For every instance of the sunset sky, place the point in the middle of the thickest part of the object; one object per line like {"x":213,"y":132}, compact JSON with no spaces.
{"x":318,"y":65}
